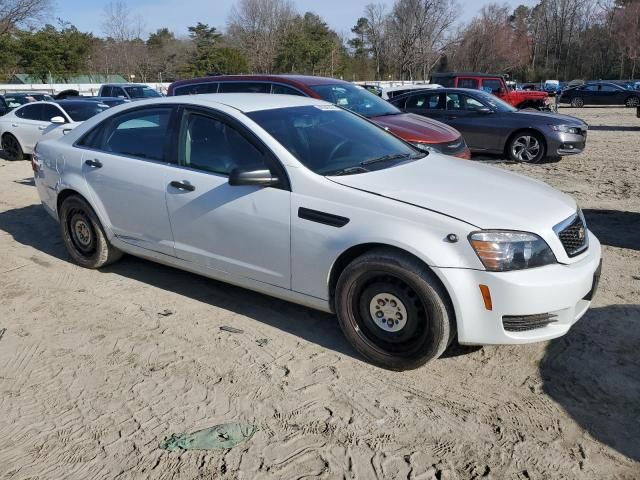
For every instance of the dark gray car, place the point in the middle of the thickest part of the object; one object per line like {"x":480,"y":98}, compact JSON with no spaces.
{"x":492,"y":126}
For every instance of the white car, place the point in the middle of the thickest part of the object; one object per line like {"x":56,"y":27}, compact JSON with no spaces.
{"x":22,"y":128}
{"x":305,"y":201}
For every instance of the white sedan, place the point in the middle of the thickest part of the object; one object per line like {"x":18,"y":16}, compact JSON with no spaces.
{"x":305,"y":201}
{"x":22,"y":128}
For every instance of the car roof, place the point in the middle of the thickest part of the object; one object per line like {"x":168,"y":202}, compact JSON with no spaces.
{"x":125,"y":85}
{"x":467,"y":74}
{"x":71,"y":101}
{"x":244,"y":102}
{"x":467,"y":91}
{"x":307,"y":80}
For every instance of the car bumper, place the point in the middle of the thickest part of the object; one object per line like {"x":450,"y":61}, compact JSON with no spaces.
{"x":562,"y":291}
{"x":560,"y":143}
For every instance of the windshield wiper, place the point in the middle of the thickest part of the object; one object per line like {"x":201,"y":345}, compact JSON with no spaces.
{"x":388,"y":158}
{"x":347,"y":171}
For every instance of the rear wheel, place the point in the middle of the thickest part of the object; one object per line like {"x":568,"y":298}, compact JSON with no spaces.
{"x":527,"y":147}
{"x":393,"y":310}
{"x":632,"y":101}
{"x":83,"y":235}
{"x":11,"y":147}
{"x":577,"y":102}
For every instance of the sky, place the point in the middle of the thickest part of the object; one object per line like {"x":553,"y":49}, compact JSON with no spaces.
{"x":177,"y":15}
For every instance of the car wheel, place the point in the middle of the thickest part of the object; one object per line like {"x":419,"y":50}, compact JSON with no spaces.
{"x":526,"y":147}
{"x":11,"y":147}
{"x":393,"y":310}
{"x":577,"y":102}
{"x":632,"y":102}
{"x":83,"y":235}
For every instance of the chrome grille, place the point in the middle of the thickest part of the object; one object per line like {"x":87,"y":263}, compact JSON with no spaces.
{"x":573,"y":234}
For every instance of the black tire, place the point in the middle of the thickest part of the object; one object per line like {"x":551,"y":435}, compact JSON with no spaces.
{"x":11,"y":147}
{"x":632,"y":102}
{"x":394,"y":286}
{"x":577,"y":102}
{"x":526,"y":146}
{"x":83,"y":235}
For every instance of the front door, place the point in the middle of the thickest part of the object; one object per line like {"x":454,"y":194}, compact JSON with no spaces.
{"x":480,"y":130}
{"x":240,"y":230}
{"x":126,"y":164}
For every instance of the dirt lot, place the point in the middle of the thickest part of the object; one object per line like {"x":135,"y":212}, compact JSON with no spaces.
{"x":97,"y":367}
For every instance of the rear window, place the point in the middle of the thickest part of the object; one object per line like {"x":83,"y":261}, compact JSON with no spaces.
{"x":196,"y":89}
{"x":81,"y":111}
{"x":244,"y":87}
{"x":468,"y":83}
{"x":141,"y":92}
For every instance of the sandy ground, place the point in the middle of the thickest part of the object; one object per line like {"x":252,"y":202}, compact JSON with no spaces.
{"x":97,"y":367}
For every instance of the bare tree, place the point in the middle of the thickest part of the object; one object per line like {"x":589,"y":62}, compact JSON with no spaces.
{"x":418,"y":29}
{"x":376,"y":34}
{"x":15,"y":13}
{"x":257,"y":27}
{"x":123,"y":51}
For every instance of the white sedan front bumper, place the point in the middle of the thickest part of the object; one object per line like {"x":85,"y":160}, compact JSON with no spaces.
{"x":559,"y":290}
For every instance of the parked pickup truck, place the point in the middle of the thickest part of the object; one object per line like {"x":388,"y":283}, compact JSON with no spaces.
{"x":496,"y":85}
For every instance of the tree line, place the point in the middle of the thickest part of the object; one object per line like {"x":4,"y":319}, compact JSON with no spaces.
{"x":406,"y":39}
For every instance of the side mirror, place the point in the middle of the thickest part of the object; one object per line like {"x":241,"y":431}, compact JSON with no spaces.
{"x":484,"y":110}
{"x":58,"y":120}
{"x":262,"y":178}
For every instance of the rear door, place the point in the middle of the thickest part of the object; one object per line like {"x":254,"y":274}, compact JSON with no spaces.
{"x":29,"y":125}
{"x":241,"y":230}
{"x":427,"y":104}
{"x":611,"y":95}
{"x":126,"y":163}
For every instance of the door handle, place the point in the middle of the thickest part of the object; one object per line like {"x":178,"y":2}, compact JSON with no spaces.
{"x":14,"y":124}
{"x":183,"y":185}
{"x":41,"y":128}
{"x":94,"y":163}
{"x":451,"y":117}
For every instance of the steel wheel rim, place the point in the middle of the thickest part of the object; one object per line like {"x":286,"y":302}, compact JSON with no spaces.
{"x":388,"y":312}
{"x":82,"y":234}
{"x":525,"y":148}
{"x":405,"y":341}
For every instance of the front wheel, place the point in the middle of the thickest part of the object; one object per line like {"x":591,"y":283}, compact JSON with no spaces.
{"x":632,"y":102}
{"x":577,"y":102}
{"x":393,"y":310}
{"x":83,"y":235}
{"x":526,"y":147}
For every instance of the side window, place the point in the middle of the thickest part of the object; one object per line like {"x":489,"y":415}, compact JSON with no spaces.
{"x":468,"y":83}
{"x":447,"y":82}
{"x":107,"y":92}
{"x":609,"y":88}
{"x":425,"y":101}
{"x":30,"y":112}
{"x":197,"y":89}
{"x":50,"y":111}
{"x":140,"y":133}
{"x":118,"y":92}
{"x":461,"y":103}
{"x":244,"y":87}
{"x":211,"y":145}
{"x":491,"y":85}
{"x":284,"y":90}
{"x":590,"y":88}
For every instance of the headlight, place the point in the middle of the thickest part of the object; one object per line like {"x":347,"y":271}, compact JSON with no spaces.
{"x":425,"y":147}
{"x":567,"y":129}
{"x":503,"y":251}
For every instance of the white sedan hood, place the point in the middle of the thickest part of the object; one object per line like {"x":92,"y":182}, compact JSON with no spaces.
{"x":483,"y":196}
